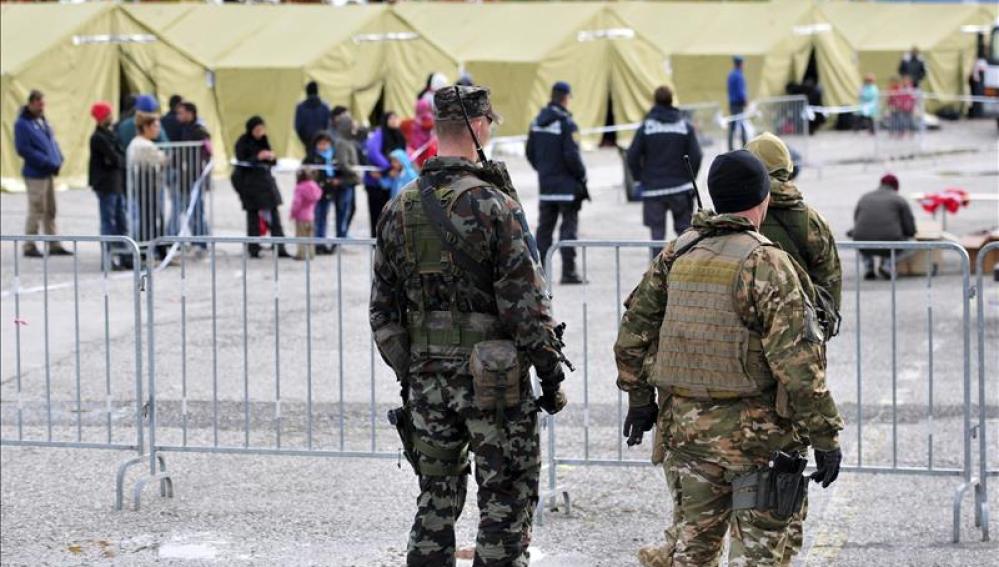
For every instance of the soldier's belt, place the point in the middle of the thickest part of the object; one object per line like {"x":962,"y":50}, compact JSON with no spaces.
{"x":447,"y":333}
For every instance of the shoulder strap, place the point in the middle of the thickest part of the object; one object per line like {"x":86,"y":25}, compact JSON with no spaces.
{"x":791,"y":235}
{"x":468,"y":260}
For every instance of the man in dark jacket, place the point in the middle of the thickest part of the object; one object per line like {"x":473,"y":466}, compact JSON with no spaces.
{"x":912,"y":66}
{"x":36,"y":144}
{"x":171,"y":121}
{"x":255,"y":185}
{"x":655,"y":158}
{"x":192,"y":130}
{"x":347,"y":160}
{"x":553,"y":150}
{"x":883,"y":214}
{"x":106,"y":176}
{"x":311,"y":115}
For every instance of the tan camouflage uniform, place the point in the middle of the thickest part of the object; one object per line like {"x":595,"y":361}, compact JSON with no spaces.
{"x":709,"y":442}
{"x":813,"y":248}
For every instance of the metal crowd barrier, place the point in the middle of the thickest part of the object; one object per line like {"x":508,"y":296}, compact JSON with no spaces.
{"x":986,"y":468}
{"x":170,"y":194}
{"x":588,"y":432}
{"x":784,"y":116}
{"x":60,"y":398}
{"x":238,"y":365}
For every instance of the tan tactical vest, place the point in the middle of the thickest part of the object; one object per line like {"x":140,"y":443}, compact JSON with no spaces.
{"x":705,"y":350}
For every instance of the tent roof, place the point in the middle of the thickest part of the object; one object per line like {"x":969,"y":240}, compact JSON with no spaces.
{"x":746,"y":29}
{"x":294,"y":36}
{"x":24,"y":39}
{"x":897,"y":27}
{"x":499,"y":32}
{"x":285,"y":36}
{"x":669,"y":26}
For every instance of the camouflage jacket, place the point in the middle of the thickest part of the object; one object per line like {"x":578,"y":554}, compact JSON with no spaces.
{"x":485,"y":216}
{"x":771,"y":300}
{"x":821,"y":257}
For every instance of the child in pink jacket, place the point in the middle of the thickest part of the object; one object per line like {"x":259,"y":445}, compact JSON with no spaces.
{"x":303,"y":206}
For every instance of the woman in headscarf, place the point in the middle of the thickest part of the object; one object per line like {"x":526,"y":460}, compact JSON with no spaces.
{"x":256,"y":187}
{"x":383,"y":141}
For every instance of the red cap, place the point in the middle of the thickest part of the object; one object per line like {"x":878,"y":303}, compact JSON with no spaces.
{"x":890,"y":180}
{"x":100,"y":110}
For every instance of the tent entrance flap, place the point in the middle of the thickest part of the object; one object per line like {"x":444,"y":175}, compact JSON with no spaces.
{"x":609,"y":137}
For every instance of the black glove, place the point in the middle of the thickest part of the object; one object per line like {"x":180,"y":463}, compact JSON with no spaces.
{"x":639,"y":420}
{"x":552,"y":398}
{"x":827,"y":466}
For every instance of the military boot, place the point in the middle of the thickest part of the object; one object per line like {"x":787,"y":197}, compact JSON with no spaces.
{"x":571,"y":277}
{"x":656,"y":556}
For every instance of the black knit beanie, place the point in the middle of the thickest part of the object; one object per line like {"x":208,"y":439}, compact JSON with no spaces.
{"x":737,"y":181}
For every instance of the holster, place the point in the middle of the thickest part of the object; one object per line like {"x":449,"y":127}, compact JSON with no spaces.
{"x":454,"y":462}
{"x":780,"y":488}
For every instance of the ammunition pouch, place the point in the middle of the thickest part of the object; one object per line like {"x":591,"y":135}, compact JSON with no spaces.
{"x":496,"y":371}
{"x":779,"y":489}
{"x":453,"y":462}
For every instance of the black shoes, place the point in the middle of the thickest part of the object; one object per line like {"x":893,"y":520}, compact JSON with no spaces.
{"x":870,"y":275}
{"x":571,"y":278}
{"x":55,"y":249}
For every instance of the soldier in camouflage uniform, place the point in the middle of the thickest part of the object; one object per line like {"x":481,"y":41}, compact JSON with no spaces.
{"x":800,"y":231}
{"x":791,"y":224}
{"x":736,"y":359}
{"x":429,"y":310}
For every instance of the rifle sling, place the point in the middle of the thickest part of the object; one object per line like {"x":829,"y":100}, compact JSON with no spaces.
{"x":452,"y":240}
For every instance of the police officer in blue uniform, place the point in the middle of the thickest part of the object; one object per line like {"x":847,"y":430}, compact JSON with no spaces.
{"x":655,"y":158}
{"x":553,"y":150}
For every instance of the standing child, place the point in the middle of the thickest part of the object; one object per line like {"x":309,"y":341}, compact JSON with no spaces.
{"x":399,"y":174}
{"x":320,"y":157}
{"x":303,"y":210}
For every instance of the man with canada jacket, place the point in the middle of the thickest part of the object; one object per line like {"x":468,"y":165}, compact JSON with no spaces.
{"x":655,"y":159}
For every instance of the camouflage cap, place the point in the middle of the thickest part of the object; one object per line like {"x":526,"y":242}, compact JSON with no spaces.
{"x":475,"y":99}
{"x":772,"y":151}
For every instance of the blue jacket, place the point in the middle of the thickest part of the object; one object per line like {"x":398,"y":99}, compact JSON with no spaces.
{"x":736,"y":87}
{"x":35,"y":142}
{"x":311,"y":115}
{"x":554,"y":154}
{"x":655,"y":156}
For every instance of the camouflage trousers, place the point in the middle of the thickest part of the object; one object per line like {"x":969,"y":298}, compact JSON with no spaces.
{"x":702,"y":515}
{"x":507,"y":464}
{"x":662,"y":556}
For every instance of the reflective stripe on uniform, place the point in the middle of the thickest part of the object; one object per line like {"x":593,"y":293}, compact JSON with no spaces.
{"x":667,"y":190}
{"x":560,"y":197}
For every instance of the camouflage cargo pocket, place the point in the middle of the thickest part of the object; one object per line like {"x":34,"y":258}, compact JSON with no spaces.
{"x":495,"y":370}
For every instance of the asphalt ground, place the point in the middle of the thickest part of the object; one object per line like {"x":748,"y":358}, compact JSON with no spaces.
{"x":217,"y":384}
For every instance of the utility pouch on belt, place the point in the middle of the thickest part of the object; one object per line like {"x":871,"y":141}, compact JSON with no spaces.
{"x":780,"y":488}
{"x":495,"y":372}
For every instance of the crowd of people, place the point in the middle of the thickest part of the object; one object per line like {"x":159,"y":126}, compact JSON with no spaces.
{"x":664,"y":158}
